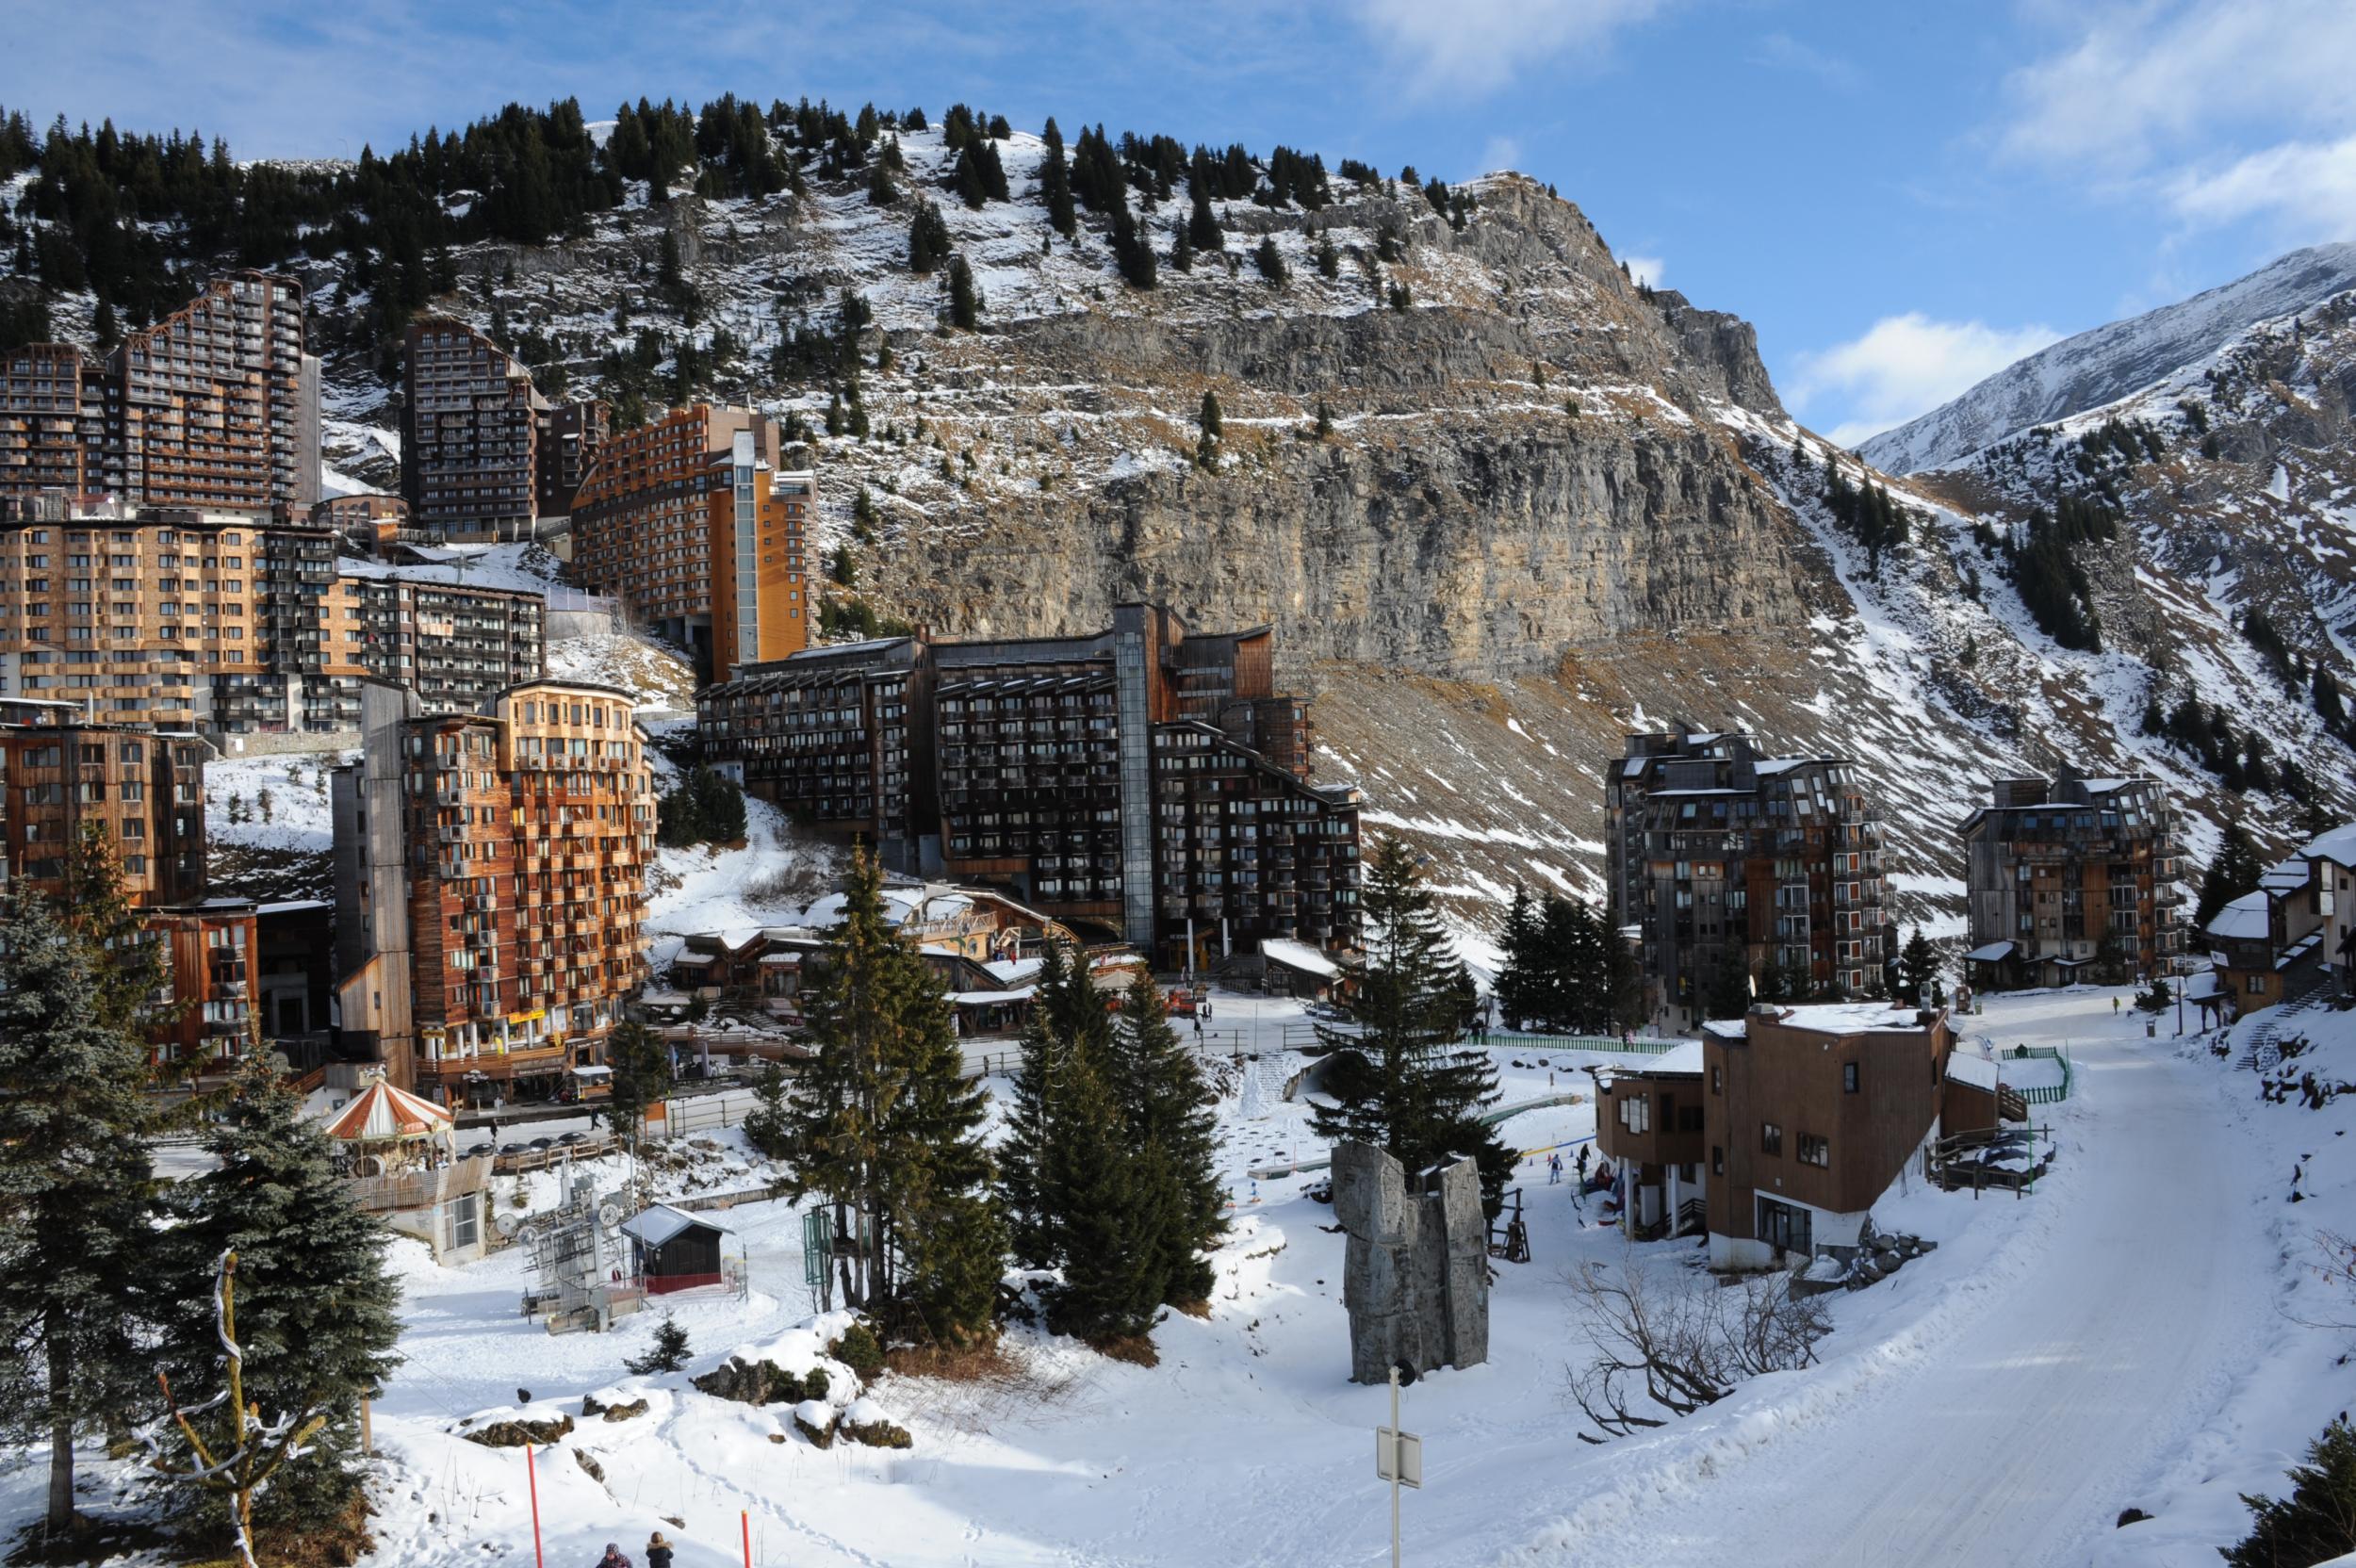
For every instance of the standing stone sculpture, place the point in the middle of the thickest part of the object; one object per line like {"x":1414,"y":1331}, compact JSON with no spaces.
{"x":1416,"y":1280}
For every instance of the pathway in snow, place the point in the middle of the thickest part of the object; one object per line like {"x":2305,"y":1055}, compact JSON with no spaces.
{"x":2017,"y":1438}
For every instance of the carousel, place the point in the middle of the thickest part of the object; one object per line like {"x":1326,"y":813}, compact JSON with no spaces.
{"x":390,"y":1131}
{"x":399,"y":1156}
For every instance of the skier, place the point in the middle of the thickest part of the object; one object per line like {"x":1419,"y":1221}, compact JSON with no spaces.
{"x":1554,"y":1169}
{"x":658,"y":1551}
{"x":614,"y":1558}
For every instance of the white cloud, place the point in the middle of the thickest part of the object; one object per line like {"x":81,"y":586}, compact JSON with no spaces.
{"x":1473,"y":46}
{"x":2309,"y":186}
{"x":1902,"y":366}
{"x":1646,"y":269}
{"x":2145,"y":79}
{"x":1502,"y":153}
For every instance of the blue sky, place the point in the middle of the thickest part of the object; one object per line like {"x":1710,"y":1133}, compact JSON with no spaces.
{"x":1902,"y":197}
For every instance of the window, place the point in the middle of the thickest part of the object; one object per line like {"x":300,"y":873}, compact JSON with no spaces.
{"x":1815,"y":1151}
{"x":1635,"y":1113}
{"x":1717,"y":1160}
{"x":1848,"y":1077}
{"x":1717,"y":1079}
{"x":1786,"y":1227}
{"x":1770,"y":1138}
{"x":466,"y":1221}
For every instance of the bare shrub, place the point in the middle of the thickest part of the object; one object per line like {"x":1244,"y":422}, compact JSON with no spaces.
{"x":1677,"y":1343}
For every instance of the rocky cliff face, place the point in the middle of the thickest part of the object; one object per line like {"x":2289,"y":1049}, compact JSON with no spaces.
{"x":1543,"y":506}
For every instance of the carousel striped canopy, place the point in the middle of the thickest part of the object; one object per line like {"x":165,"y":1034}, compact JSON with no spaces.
{"x":384,"y":1114}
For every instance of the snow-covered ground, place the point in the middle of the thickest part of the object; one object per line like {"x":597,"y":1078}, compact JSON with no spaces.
{"x":2138,"y":1332}
{"x":2112,"y":1339}
{"x":297,"y":816}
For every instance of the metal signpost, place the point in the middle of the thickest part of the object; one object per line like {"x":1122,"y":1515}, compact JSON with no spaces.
{"x":1397,"y":1456}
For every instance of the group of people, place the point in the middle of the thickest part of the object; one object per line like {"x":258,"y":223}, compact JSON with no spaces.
{"x":658,"y":1554}
{"x":1554,"y":1168}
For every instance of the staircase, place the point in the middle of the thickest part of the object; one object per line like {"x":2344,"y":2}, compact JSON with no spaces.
{"x":2305,"y":988}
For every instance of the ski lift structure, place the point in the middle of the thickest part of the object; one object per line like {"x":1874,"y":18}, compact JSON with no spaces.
{"x":582,"y":1276}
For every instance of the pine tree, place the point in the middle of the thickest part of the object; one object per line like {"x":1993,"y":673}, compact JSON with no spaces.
{"x":1329,"y":259}
{"x":132,"y":965}
{"x":1271,"y":261}
{"x":1068,"y":1020}
{"x":1203,"y":227}
{"x":1421,"y":1096}
{"x":76,"y":1230}
{"x":2316,"y":1523}
{"x":889,"y":1132}
{"x":1055,"y":184}
{"x":2234,"y":871}
{"x":668,"y":1353}
{"x":1111,"y":1214}
{"x":768,"y":1126}
{"x":1131,"y":252}
{"x":642,"y":1076}
{"x":1181,"y":247}
{"x":965,"y":300}
{"x":1212,"y":423}
{"x":928,"y":239}
{"x":1166,"y":1111}
{"x":318,"y":1312}
{"x":1918,"y":965}
{"x":1729,"y":992}
{"x":1520,"y":977}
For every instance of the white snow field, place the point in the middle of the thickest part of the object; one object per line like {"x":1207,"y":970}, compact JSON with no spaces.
{"x":2060,"y":1357}
{"x":2150,"y":1326}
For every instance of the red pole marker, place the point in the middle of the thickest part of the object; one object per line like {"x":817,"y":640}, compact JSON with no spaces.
{"x":532,"y":1479}
{"x":744,"y":1516}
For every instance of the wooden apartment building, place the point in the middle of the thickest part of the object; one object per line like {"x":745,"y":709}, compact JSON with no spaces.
{"x":61,"y":775}
{"x":695,"y":523}
{"x":491,"y":885}
{"x":1724,"y":857}
{"x":215,"y":407}
{"x":483,"y":455}
{"x":1145,"y":783}
{"x":2071,"y":878}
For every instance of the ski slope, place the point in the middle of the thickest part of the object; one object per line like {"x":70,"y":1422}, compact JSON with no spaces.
{"x":2019,"y":1435}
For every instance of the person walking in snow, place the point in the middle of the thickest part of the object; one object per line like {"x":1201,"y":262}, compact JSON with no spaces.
{"x":1582,"y":1163}
{"x":658,"y":1551}
{"x":2113,"y":1007}
{"x":1554,"y":1169}
{"x":614,"y":1558}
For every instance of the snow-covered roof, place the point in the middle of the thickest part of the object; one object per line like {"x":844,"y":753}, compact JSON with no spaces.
{"x":2299,"y":948}
{"x":1993,"y":953}
{"x":1300,"y":957}
{"x":1851,"y":1018}
{"x":1770,"y":766}
{"x":1014,"y":970}
{"x":1684,"y":1058}
{"x":902,"y":906}
{"x":2244,"y":919}
{"x":2337,"y":846}
{"x":2202,"y":986}
{"x":983,"y":999}
{"x":1975,"y":1071}
{"x":2288,"y":876}
{"x":662,"y":1222}
{"x":290,"y":905}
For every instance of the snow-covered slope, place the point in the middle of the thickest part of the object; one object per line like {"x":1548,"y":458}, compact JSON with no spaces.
{"x":2108,"y":362}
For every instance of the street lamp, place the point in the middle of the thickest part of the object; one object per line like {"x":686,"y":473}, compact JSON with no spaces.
{"x":1398,"y":1455}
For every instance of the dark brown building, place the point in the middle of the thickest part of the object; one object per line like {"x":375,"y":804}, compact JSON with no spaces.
{"x":1147,"y":781}
{"x":2072,"y":879}
{"x":1651,"y":1124}
{"x":1809,"y":1114}
{"x":1735,"y":865}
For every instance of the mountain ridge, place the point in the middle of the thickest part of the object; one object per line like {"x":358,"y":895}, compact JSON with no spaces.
{"x":2105,"y":363}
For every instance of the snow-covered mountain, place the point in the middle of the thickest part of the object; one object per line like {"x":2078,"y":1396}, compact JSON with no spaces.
{"x":1502,"y":502}
{"x":2109,"y":362}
